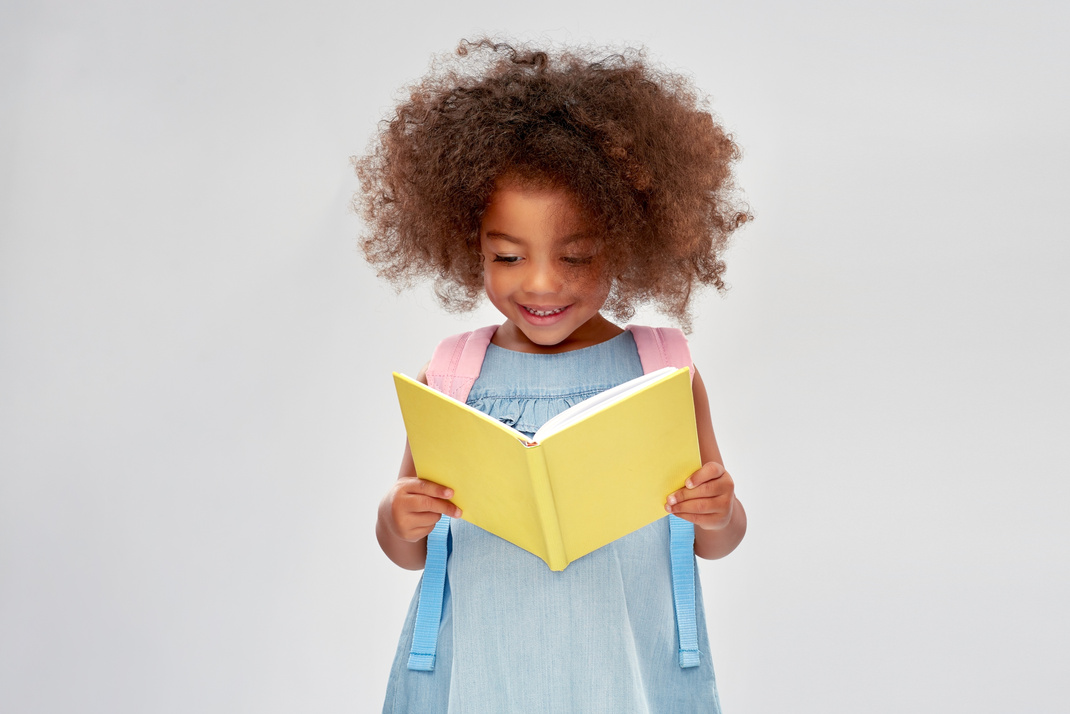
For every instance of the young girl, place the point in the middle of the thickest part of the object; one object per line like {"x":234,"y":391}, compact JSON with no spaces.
{"x":563,"y":188}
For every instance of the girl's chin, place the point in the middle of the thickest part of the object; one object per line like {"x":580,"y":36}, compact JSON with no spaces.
{"x":528,"y":332}
{"x":527,"y":337}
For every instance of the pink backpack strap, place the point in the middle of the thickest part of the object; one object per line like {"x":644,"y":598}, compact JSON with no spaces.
{"x":661,"y":347}
{"x":452,"y":370}
{"x":457,"y":361}
{"x":667,"y":347}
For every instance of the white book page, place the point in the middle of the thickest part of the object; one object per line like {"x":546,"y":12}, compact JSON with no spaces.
{"x":598,"y":402}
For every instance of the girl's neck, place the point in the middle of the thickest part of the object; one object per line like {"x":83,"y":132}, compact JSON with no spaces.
{"x":593,"y":332}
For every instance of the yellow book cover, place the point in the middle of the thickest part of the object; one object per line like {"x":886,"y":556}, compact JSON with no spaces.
{"x":596,"y":472}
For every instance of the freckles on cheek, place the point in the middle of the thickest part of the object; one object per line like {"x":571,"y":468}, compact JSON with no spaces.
{"x":584,"y":280}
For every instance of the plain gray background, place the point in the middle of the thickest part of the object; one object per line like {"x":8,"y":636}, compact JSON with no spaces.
{"x":196,"y":415}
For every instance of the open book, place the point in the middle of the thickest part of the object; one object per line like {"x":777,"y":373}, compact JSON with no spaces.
{"x":594,"y":473}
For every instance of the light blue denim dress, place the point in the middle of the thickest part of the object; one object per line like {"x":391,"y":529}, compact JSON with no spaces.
{"x":515,"y":636}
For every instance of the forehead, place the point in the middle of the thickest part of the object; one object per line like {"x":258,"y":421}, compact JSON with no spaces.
{"x":519,"y":211}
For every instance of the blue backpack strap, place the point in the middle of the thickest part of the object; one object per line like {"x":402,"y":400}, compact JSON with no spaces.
{"x":682,"y":560}
{"x":432,"y":587}
{"x":667,"y":347}
{"x":452,"y":370}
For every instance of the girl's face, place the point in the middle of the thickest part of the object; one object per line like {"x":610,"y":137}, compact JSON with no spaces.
{"x":542,"y":270}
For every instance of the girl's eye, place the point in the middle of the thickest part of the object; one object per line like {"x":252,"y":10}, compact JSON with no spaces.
{"x":578,"y":259}
{"x":506,"y":258}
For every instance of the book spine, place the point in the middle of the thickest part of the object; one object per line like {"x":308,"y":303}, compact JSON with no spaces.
{"x":544,"y":505}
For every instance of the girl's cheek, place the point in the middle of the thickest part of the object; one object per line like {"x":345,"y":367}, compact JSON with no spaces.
{"x":593,"y":278}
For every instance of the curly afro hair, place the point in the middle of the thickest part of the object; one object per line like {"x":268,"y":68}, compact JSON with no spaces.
{"x":636,"y":147}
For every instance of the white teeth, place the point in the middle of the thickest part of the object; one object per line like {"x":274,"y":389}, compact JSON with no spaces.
{"x":541,"y":313}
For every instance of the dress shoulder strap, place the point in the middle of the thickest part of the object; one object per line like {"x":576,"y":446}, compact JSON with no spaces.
{"x":457,"y":361}
{"x":661,"y":347}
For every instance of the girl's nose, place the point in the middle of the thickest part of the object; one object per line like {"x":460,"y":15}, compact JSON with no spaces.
{"x":542,"y":278}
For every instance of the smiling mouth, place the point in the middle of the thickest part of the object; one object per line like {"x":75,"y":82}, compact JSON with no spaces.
{"x":543,"y":313}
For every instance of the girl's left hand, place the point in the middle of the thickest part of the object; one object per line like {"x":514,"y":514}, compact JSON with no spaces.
{"x":707,"y":498}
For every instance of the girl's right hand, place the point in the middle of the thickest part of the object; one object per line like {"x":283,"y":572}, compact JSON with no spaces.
{"x":415,"y":506}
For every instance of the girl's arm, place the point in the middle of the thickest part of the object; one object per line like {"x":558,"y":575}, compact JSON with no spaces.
{"x":409,"y":511}
{"x":708,"y":499}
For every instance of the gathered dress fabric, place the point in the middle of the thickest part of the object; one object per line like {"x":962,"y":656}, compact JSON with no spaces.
{"x":514,"y":636}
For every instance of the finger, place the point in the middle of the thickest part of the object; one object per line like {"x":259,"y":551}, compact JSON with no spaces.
{"x":429,"y":488}
{"x":719,"y":505}
{"x":415,"y":526}
{"x":422,"y":522}
{"x":429,"y":504}
{"x":711,"y":489}
{"x":710,"y":471}
{"x":418,"y":526}
{"x":706,"y":521}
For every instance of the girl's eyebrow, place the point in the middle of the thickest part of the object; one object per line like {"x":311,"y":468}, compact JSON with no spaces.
{"x":495,"y":235}
{"x":567,"y":240}
{"x":575,"y":238}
